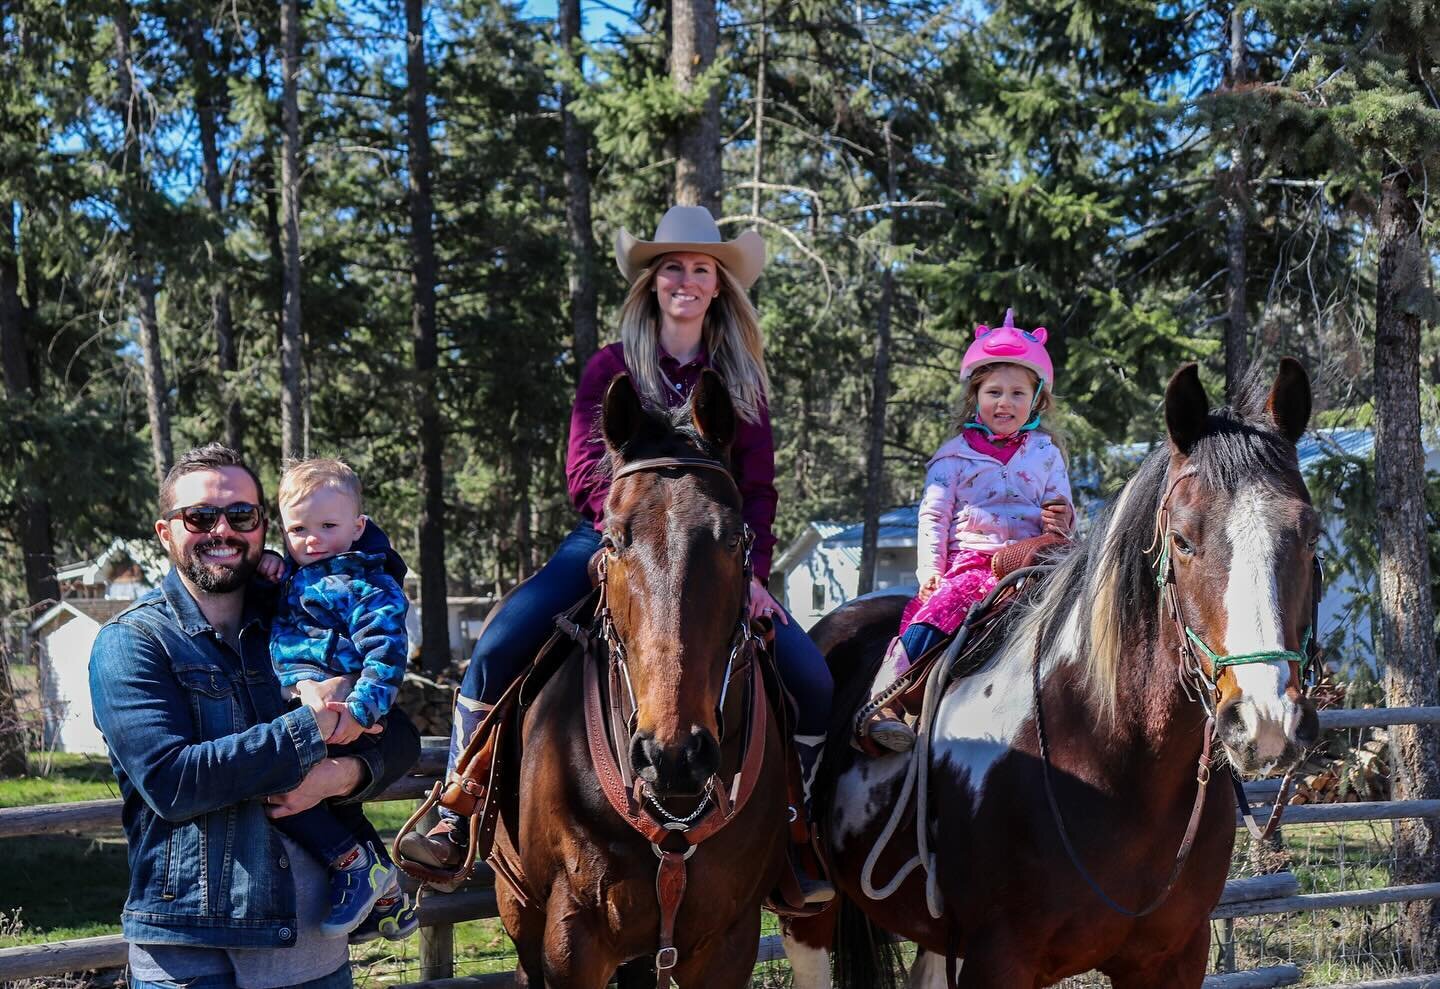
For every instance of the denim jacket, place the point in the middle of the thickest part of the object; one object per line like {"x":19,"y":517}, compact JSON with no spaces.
{"x":197,"y":736}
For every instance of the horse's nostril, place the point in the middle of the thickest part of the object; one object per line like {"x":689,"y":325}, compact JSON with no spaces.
{"x":644,"y":753}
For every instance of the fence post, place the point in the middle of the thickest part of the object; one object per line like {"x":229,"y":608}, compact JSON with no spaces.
{"x":437,"y":944}
{"x":1227,"y":945}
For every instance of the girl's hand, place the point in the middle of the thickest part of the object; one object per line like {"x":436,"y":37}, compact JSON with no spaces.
{"x":272,"y":566}
{"x":931,"y":585}
{"x":1057,"y":517}
{"x":763,"y":605}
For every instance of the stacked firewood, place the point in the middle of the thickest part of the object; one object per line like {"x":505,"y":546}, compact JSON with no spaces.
{"x":428,"y":703}
{"x":1360,"y":774}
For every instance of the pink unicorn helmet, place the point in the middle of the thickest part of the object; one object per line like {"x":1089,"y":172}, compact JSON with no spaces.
{"x":1009,"y":344}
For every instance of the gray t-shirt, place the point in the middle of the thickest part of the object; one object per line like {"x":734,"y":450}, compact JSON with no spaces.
{"x":311,"y":957}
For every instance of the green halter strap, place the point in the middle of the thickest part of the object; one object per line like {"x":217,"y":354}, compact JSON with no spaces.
{"x":1219,"y":662}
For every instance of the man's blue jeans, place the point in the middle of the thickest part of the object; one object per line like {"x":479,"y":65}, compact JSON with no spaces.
{"x":338,"y":979}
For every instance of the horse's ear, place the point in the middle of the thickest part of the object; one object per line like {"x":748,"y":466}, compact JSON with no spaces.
{"x":712,"y":410}
{"x":1186,"y":408}
{"x":622,"y":412}
{"x":1289,"y":401}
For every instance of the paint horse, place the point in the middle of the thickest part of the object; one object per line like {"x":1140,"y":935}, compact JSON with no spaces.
{"x":1070,"y":825}
{"x":608,"y":844}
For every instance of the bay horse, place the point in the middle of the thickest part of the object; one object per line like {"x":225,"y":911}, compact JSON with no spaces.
{"x":1057,"y":841}
{"x":674,"y":566}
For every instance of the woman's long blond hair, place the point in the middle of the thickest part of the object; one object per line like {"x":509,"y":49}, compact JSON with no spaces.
{"x":730,"y":335}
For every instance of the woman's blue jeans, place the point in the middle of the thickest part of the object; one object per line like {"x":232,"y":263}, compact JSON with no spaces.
{"x":526,"y":619}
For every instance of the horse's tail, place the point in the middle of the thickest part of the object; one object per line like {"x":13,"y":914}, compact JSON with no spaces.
{"x":866,"y":957}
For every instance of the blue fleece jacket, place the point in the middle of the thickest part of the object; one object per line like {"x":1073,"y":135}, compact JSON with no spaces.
{"x":346,"y":616}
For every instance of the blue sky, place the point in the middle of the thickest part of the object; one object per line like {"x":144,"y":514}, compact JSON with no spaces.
{"x":595,"y":17}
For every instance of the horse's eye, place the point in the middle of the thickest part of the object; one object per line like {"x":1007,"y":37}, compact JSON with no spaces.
{"x":1313,"y":542}
{"x":1182,"y":545}
{"x":732,"y":541}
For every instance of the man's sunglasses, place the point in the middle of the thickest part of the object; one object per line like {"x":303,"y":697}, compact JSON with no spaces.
{"x":242,"y":516}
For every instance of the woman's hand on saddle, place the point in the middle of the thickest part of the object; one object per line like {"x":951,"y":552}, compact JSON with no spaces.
{"x":1057,"y":517}
{"x":931,"y":585}
{"x":762,"y":605}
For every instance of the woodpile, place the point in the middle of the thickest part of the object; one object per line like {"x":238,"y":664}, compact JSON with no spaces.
{"x":428,"y":703}
{"x":1361,"y":774}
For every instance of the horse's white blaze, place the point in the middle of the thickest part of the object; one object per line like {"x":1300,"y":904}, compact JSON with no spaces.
{"x":979,"y":720}
{"x":1254,"y":624}
{"x":809,"y":965}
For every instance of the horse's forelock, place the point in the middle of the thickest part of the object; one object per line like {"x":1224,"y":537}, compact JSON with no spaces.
{"x":664,"y":432}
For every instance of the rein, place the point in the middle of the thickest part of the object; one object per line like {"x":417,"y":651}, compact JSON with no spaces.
{"x":673,"y":837}
{"x":1198,"y":684}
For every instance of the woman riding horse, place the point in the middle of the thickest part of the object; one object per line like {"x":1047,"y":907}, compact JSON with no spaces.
{"x":686,"y":310}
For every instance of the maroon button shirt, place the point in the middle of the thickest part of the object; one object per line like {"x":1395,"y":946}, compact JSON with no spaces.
{"x":752,"y":455}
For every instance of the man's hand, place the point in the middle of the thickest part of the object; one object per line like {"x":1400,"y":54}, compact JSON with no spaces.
{"x":319,"y":695}
{"x":348,"y":729}
{"x":327,"y":778}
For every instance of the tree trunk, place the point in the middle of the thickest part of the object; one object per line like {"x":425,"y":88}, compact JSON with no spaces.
{"x":32,"y":516}
{"x":434,"y":614}
{"x":524,"y":544}
{"x":13,"y":736}
{"x":292,"y":406}
{"x":758,"y":163}
{"x":577,"y":202}
{"x":1237,"y":208}
{"x":162,"y":453}
{"x":879,"y":394}
{"x":1406,"y":614}
{"x":207,"y":100}
{"x":694,"y":31}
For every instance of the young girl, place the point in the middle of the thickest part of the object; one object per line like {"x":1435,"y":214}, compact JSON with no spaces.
{"x":1000,"y":480}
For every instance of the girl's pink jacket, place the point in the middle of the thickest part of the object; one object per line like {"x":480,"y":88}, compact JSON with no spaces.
{"x":973,"y":501}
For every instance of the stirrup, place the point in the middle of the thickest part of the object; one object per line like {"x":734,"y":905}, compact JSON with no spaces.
{"x":888,"y":730}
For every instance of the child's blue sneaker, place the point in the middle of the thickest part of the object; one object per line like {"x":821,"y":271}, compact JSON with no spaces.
{"x":354,"y":888}
{"x":393,"y":918}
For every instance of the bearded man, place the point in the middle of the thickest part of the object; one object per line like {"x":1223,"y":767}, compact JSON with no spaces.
{"x":206,"y":752}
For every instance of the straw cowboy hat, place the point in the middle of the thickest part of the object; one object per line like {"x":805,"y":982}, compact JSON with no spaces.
{"x":691,"y":229}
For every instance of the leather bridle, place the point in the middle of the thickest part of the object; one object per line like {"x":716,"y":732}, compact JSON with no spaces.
{"x":1198,"y":678}
{"x":673,"y":837}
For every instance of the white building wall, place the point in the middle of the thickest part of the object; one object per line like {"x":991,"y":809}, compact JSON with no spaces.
{"x":65,"y":679}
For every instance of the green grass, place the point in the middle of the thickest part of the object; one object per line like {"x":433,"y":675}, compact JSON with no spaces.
{"x":70,"y":777}
{"x":69,"y":886}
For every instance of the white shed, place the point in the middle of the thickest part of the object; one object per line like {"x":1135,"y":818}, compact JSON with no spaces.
{"x":66,"y":632}
{"x":820,"y":570}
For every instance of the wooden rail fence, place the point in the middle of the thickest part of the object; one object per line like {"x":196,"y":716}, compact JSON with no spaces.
{"x":440,"y":912}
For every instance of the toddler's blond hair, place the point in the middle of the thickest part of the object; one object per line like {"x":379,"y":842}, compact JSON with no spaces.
{"x":305,"y":477}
